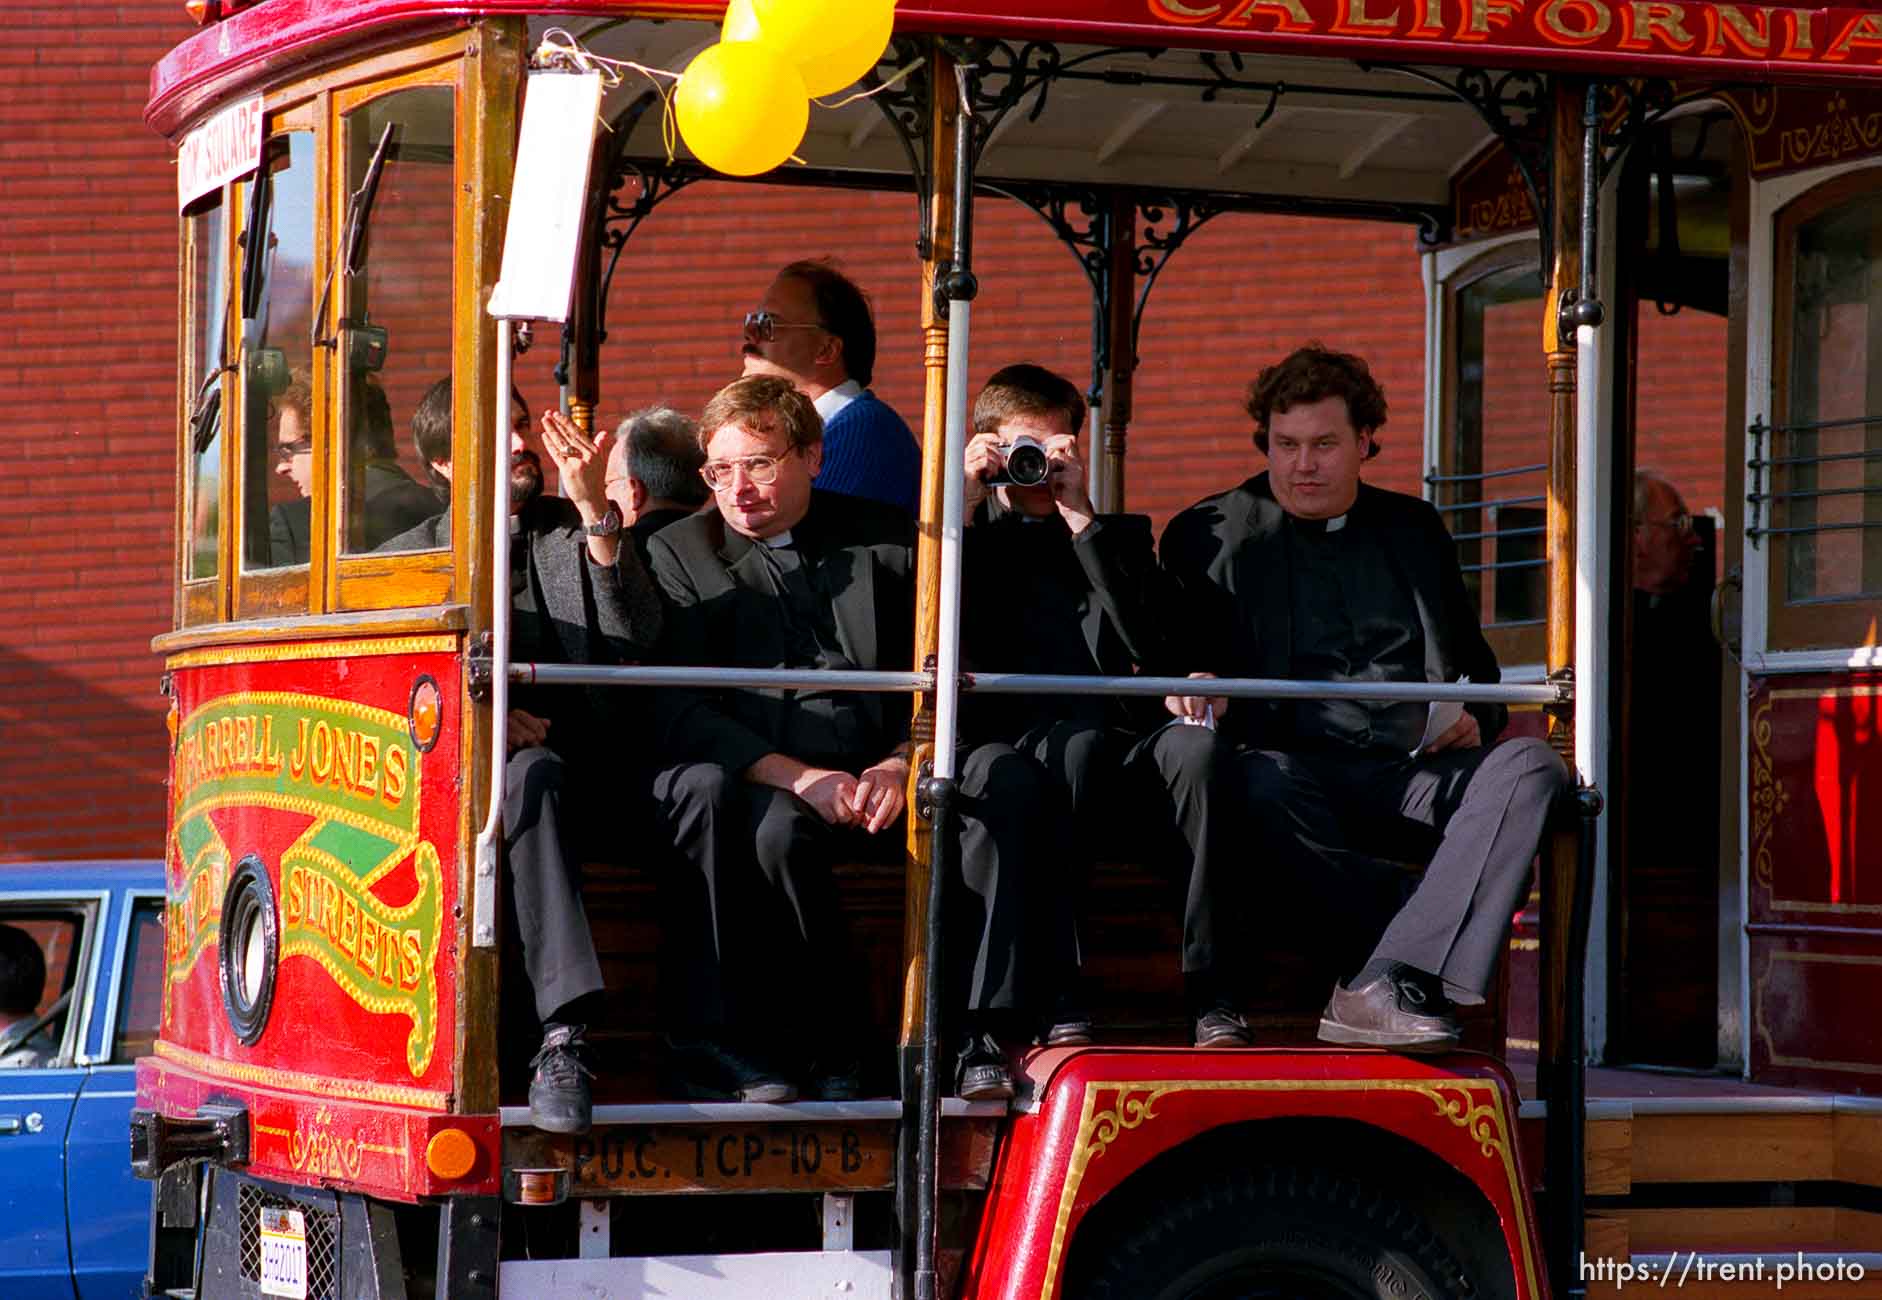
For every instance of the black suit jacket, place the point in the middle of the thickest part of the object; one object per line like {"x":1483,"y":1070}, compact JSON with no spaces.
{"x":721,"y":612}
{"x":1230,"y":612}
{"x":1104,"y":579}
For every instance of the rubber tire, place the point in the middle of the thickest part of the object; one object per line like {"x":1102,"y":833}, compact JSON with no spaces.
{"x":1281,"y":1232}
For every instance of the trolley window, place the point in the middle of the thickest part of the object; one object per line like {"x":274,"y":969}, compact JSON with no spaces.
{"x":1491,"y":478}
{"x":205,"y":360}
{"x":1824,"y":452}
{"x":396,"y":255}
{"x":278,"y":392}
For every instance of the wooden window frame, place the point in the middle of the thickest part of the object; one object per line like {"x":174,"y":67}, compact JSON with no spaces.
{"x":1513,"y":646}
{"x":1832,"y":623}
{"x":203,"y":600}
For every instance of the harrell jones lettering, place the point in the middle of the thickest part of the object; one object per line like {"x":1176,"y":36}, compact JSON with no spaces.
{"x":1728,"y":31}
{"x":323,"y":754}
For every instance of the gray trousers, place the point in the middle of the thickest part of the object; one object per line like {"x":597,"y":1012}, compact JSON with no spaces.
{"x":545,"y":883}
{"x":1343,"y":825}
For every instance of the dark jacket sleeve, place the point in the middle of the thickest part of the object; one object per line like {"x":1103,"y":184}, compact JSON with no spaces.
{"x":692,"y":726}
{"x":628,"y":613}
{"x":1470,"y":651}
{"x":1119,"y":560}
{"x":1195,"y":612}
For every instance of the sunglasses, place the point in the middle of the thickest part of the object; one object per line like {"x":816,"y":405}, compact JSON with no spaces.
{"x":764,"y":326}
{"x":287,"y":451}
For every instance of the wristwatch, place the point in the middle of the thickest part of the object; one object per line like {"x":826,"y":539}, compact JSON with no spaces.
{"x":606,"y":526}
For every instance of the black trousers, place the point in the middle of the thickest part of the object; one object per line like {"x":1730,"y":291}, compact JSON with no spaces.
{"x":1174,"y":795}
{"x":545,"y":885}
{"x":758,"y":946}
{"x":1338,"y":821}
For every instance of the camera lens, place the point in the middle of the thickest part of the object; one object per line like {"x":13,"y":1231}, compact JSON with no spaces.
{"x":1027,"y":464}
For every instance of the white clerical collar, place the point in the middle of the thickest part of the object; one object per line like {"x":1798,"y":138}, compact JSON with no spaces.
{"x":777,"y":539}
{"x":835,"y":399}
{"x":1336,"y":523}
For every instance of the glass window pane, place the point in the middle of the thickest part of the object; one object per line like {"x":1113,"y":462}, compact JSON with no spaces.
{"x":396,"y":332}
{"x":276,"y":306}
{"x":57,"y":936}
{"x":208,"y":313}
{"x":1831,"y":484}
{"x":140,"y":1001}
{"x":1495,"y":461}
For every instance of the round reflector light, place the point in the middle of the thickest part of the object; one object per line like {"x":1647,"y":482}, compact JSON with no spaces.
{"x":248,"y":945}
{"x":451,"y":1153}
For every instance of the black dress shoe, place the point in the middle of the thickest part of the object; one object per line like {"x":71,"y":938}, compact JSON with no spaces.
{"x":1068,"y":1029}
{"x":1396,"y":1011}
{"x":559,"y":1096}
{"x":840,"y":1079}
{"x":1222,"y":1026}
{"x":981,"y":1073}
{"x":713,"y":1071}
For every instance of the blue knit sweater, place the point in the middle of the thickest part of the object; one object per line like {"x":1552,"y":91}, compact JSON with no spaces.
{"x":869,"y":452}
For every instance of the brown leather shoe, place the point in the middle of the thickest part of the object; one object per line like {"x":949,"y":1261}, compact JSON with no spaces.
{"x":1389,"y":1012}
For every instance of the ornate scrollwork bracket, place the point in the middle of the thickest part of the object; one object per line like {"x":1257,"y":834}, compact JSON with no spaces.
{"x":905,"y":107}
{"x":1514,"y":105}
{"x":1158,"y":242}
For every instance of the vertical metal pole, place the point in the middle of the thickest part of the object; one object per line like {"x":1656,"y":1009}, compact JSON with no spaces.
{"x":490,"y":838}
{"x":1122,"y":299}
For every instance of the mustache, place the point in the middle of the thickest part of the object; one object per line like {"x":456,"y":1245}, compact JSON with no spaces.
{"x":525,"y":459}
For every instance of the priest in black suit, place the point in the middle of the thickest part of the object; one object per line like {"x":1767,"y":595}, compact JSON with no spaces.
{"x":1052,"y":586}
{"x":769,"y":787}
{"x":1305,"y":572}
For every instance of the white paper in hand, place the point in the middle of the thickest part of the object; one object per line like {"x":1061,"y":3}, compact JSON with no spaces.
{"x":1443,"y":715}
{"x":553,"y":153}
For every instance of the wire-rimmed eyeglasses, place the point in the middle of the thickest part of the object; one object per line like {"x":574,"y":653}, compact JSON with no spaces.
{"x":1680,"y":521}
{"x":762,"y":470}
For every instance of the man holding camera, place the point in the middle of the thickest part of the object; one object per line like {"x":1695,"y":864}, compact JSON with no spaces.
{"x":1054,"y":587}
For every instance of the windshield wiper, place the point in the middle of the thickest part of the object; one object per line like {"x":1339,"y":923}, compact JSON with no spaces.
{"x":353,"y":232}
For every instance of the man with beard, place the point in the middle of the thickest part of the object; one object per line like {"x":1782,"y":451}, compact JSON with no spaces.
{"x":577,"y":595}
{"x":814,"y":328}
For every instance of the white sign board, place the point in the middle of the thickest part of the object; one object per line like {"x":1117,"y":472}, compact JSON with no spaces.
{"x":226,"y":146}
{"x":553,"y":153}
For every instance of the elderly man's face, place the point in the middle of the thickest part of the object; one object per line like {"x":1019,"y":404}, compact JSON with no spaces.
{"x":1314,"y":455}
{"x":738,"y":458}
{"x":1664,"y":542}
{"x":797,"y":334}
{"x":294,"y":450}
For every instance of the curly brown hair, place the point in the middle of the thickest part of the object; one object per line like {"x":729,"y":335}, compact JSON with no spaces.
{"x":1312,"y":374}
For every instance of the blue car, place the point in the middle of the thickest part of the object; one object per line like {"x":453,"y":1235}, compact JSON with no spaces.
{"x":74,"y":1222}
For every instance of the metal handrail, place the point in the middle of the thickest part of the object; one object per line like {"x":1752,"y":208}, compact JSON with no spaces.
{"x":1802,"y":494}
{"x":1759,"y":462}
{"x":1435,"y":479}
{"x":1494,"y":501}
{"x":1504,"y":564}
{"x":1859,"y":526}
{"x":1536,"y":531}
{"x":1241,"y":688}
{"x":1853,"y":422}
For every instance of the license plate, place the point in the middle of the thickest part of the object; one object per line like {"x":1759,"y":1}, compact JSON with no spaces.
{"x":283,"y":1253}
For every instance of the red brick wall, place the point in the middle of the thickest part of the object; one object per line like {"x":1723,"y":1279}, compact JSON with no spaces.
{"x":87,"y":359}
{"x":87,"y":350}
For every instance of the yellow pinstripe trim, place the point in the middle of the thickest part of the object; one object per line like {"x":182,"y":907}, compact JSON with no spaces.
{"x":271,"y":654}
{"x":262,"y":1076}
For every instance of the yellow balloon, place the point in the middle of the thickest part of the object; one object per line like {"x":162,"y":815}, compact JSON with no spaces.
{"x":833,"y":42}
{"x":741,"y":24}
{"x":741,"y":107}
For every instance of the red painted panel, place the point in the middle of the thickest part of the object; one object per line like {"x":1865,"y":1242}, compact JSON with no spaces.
{"x":297,"y":1139}
{"x":1103,"y":1115}
{"x":1812,"y":1023}
{"x":303,"y":757}
{"x":1816,"y":801}
{"x":1815,"y":848}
